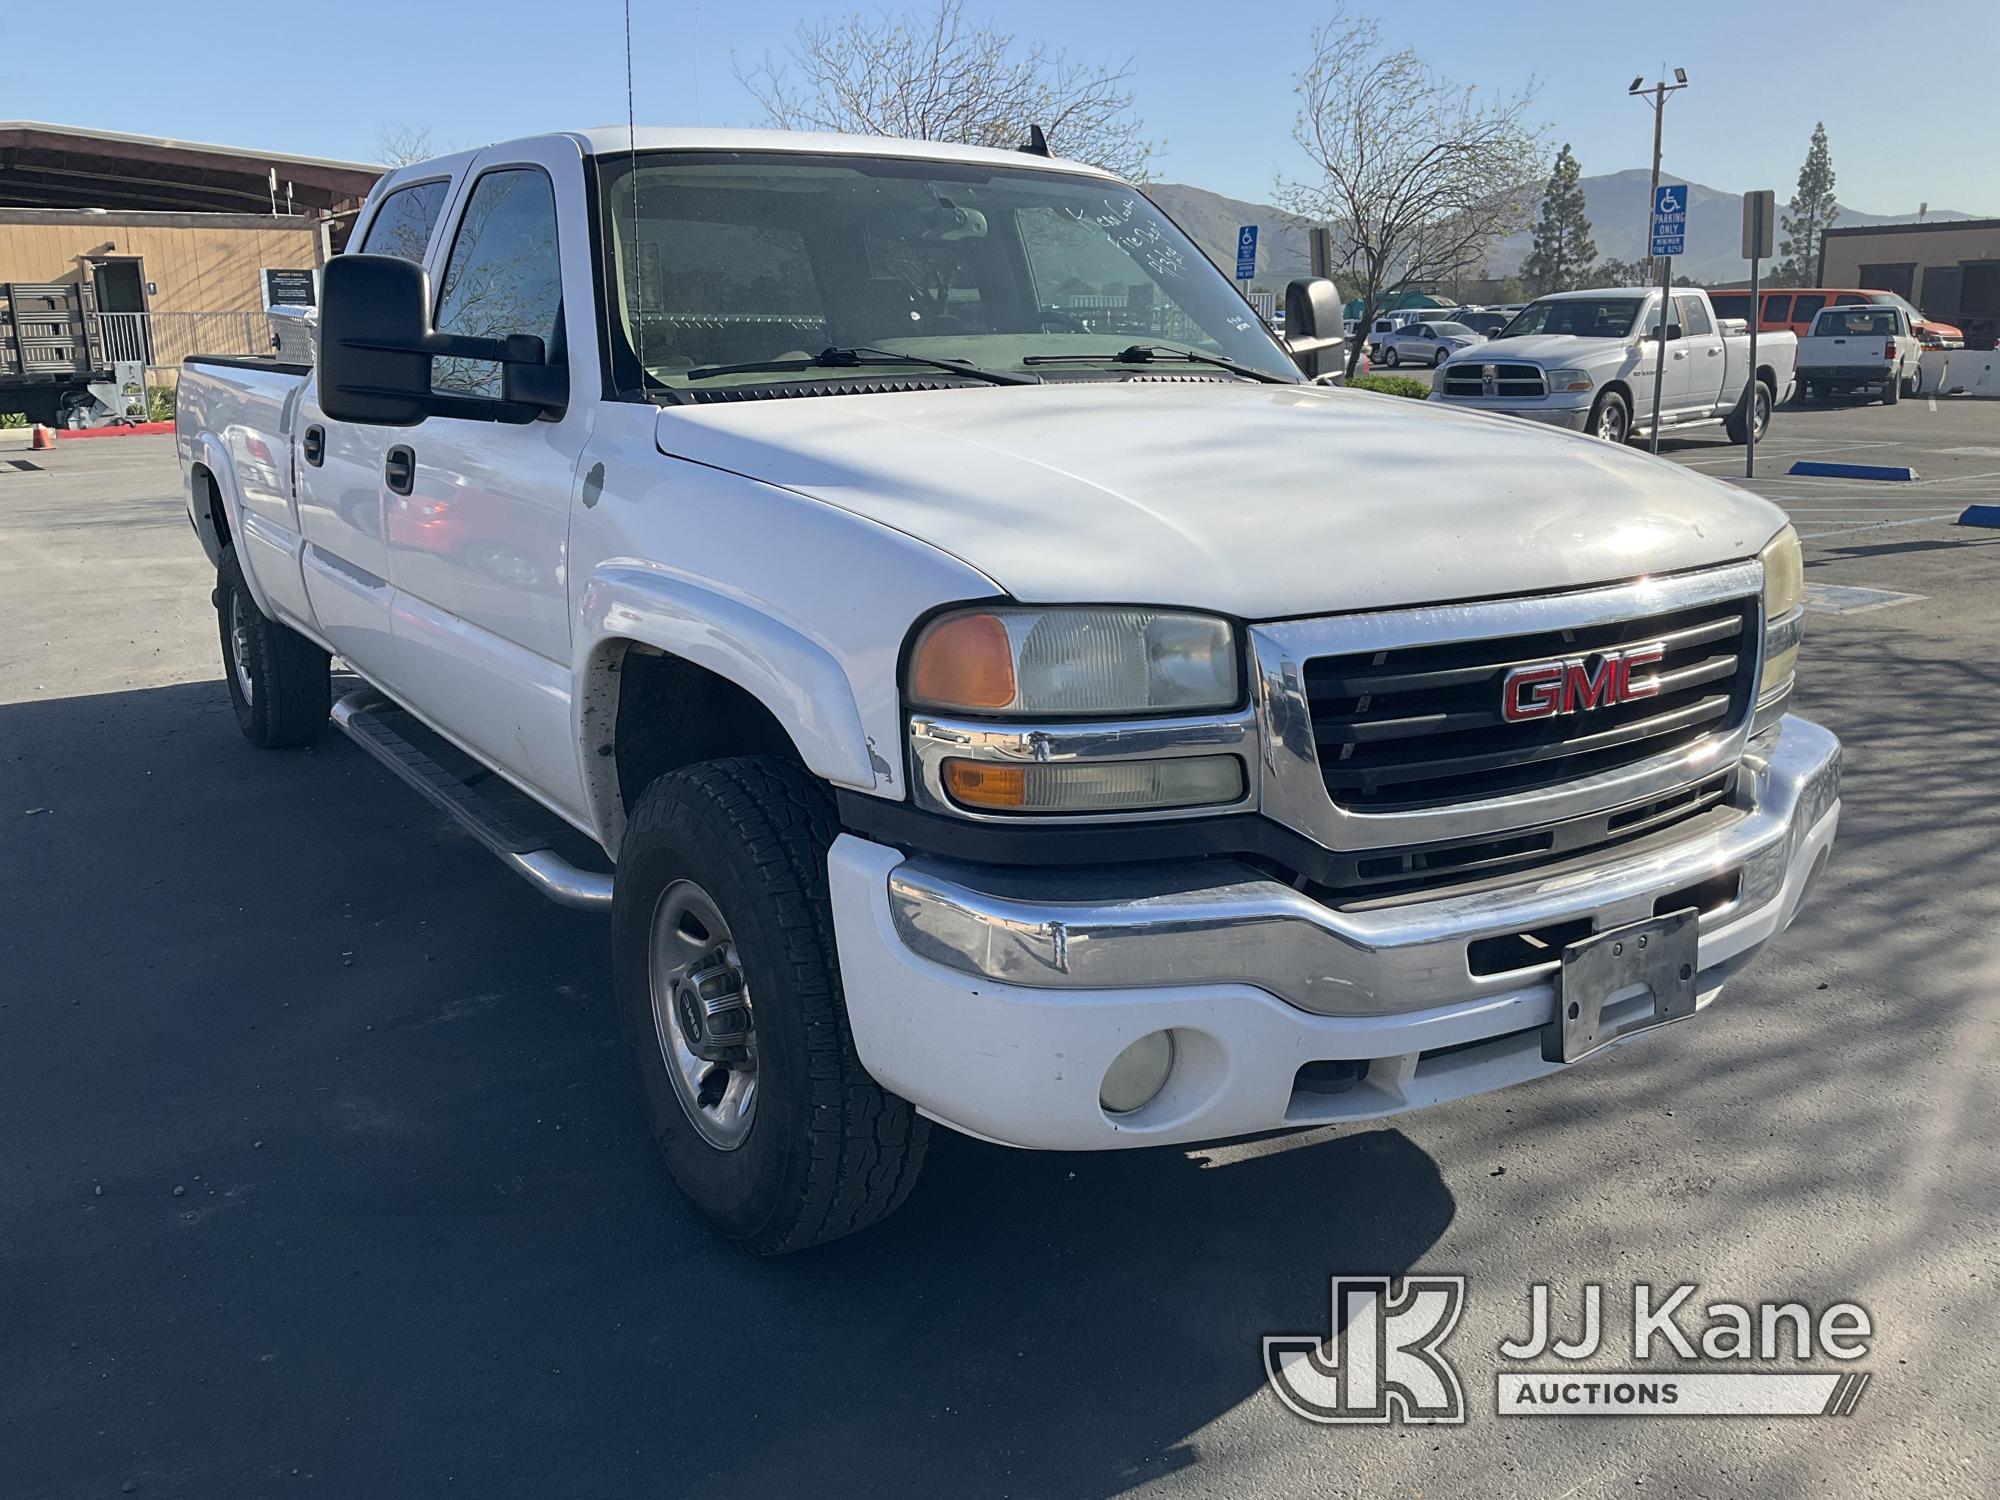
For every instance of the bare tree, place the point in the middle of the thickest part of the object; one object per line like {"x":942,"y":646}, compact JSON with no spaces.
{"x":934,"y":76}
{"x":399,"y":145}
{"x":1416,"y":174}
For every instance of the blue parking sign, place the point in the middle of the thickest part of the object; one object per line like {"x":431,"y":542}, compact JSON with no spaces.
{"x":1670,"y":218}
{"x":1246,"y":252}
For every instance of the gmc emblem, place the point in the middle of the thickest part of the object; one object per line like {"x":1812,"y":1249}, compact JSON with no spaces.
{"x":1549,"y":688}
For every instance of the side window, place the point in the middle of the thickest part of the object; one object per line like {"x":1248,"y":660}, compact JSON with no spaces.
{"x":1804,"y":307}
{"x":1778,"y":310}
{"x":1847,"y":297}
{"x":503,"y":276}
{"x":403,"y":224}
{"x":1693,"y":316}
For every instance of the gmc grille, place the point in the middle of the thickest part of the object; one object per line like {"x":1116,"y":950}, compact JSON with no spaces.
{"x":1468,"y":379}
{"x":1420,"y":726}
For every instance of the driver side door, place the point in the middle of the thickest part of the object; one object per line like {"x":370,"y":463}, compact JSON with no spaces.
{"x":477,"y":512}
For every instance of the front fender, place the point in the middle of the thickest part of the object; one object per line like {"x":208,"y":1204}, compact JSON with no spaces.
{"x":792,"y":675}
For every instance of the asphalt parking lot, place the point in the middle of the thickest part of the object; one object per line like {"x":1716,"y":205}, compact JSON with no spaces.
{"x":324,"y":1171}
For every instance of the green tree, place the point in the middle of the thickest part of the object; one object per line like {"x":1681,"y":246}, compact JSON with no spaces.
{"x":1809,"y":215}
{"x":1616,"y":272}
{"x":1563,"y":249}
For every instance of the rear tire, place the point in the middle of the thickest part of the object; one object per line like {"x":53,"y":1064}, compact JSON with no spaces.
{"x":821,"y":1150}
{"x":1892,"y":390}
{"x":280,"y":683}
{"x":1737,"y":423}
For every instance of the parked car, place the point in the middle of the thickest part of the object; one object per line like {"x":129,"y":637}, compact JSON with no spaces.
{"x":1794,"y":308}
{"x":1426,"y":343}
{"x":962,"y":724}
{"x":1860,"y":348}
{"x":1588,"y":361}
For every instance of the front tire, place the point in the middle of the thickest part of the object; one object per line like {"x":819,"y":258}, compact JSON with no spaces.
{"x":1611,"y":418}
{"x":280,"y":683}
{"x":1438,"y":359}
{"x":729,"y":989}
{"x":1391,"y":358}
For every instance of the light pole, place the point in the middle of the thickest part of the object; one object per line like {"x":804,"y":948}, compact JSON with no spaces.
{"x":1657,"y":97}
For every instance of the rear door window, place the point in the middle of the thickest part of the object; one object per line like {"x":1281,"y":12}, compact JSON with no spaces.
{"x":1693,"y":317}
{"x":1777,"y":309}
{"x":402,"y":226}
{"x":1806,"y":305}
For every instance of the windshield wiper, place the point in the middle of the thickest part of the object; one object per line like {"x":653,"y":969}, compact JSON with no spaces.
{"x":1146,"y":354}
{"x":855,"y":356}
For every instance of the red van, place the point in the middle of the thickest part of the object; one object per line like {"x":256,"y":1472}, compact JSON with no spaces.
{"x":1794,"y":307}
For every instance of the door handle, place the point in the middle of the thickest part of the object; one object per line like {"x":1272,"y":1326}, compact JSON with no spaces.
{"x":314,"y":445}
{"x":399,"y":470}
{"x":1713,"y":352}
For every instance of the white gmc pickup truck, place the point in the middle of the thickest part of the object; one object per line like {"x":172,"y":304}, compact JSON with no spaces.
{"x":1593,"y":362}
{"x":1069,"y":724}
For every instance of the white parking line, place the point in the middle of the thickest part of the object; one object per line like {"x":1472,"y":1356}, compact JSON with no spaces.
{"x":1814,"y":536}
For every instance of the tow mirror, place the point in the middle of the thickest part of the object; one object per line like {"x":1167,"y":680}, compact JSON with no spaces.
{"x":1313,"y":324}
{"x":376,"y":345}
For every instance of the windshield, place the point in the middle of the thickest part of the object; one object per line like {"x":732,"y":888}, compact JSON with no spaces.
{"x":1586,"y":317}
{"x":732,"y":258}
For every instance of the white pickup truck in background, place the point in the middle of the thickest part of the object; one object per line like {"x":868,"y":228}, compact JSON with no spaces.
{"x":1083,"y":737}
{"x":1860,"y":349}
{"x":1587,"y":361}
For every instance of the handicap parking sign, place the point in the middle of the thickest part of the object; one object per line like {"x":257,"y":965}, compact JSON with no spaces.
{"x":1246,"y":252}
{"x":1669,"y":219}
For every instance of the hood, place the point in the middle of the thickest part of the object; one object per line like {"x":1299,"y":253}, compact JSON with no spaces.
{"x":1549,"y":349}
{"x":1258,"y":501}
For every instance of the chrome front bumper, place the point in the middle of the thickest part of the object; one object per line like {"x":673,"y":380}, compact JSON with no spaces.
{"x":1569,"y":418}
{"x":996,"y":999}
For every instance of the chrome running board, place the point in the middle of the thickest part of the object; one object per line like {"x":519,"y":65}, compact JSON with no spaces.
{"x":365,"y":717}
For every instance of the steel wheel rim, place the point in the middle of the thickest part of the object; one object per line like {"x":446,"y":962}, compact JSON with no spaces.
{"x":239,"y":646}
{"x":689,"y":952}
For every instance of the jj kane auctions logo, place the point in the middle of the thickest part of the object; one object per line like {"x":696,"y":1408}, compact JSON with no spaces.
{"x":1385,"y":1360}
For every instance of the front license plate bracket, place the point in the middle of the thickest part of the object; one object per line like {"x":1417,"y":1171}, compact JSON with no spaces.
{"x":1660,"y":953}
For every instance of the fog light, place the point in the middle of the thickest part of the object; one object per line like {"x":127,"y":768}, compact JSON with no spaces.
{"x":1137,"y":1074}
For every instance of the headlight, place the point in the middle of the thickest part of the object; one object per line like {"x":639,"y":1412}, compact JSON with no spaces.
{"x":1019,"y":662}
{"x":1569,"y":380}
{"x":1784,"y":619}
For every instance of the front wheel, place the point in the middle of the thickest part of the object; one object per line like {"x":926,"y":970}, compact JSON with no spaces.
{"x":280,"y":683}
{"x":1611,"y":418}
{"x":1438,"y":359}
{"x":729,"y":990}
{"x":1391,"y":358}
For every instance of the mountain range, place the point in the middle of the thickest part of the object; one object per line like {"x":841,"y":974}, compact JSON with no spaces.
{"x":1618,"y":203}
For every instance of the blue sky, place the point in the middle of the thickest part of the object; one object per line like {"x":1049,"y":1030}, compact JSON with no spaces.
{"x":1214,"y":81}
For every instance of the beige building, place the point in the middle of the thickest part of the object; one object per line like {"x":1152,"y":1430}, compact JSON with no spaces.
{"x":116,"y":247}
{"x":1951,"y":270}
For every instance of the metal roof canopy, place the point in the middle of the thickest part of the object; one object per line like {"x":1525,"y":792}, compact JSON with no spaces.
{"x":65,"y":166}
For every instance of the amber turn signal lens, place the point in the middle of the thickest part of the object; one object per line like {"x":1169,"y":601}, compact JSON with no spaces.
{"x":963,"y":661}
{"x":978,"y":785}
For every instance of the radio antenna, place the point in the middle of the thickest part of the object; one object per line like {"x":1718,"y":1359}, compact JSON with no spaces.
{"x":638,"y":260}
